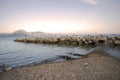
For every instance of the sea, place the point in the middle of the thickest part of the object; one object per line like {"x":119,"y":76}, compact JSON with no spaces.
{"x":18,"y":54}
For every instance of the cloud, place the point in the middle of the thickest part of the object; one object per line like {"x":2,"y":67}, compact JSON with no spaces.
{"x":93,"y":2}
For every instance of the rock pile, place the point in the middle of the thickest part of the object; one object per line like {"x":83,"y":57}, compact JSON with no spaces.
{"x":75,"y":40}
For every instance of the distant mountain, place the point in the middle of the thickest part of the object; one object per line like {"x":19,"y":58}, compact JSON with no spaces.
{"x":5,"y":34}
{"x":37,"y":33}
{"x":20,"y":32}
{"x":23,"y":33}
{"x":16,"y":33}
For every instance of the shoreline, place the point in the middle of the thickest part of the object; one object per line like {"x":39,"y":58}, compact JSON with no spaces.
{"x":97,"y":65}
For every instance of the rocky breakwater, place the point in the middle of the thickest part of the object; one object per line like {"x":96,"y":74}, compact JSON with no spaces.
{"x":75,"y":40}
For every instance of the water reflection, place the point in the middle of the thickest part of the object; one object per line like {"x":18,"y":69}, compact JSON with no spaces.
{"x":113,"y":51}
{"x":16,"y":54}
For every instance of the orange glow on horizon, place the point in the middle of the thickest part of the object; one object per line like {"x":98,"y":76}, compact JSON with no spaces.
{"x":55,"y":27}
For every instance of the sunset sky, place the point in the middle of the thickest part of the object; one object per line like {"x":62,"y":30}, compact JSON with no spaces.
{"x":60,"y":16}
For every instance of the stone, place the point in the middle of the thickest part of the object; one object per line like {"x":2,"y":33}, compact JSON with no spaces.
{"x":85,"y":64}
{"x":74,"y":40}
{"x":7,"y":68}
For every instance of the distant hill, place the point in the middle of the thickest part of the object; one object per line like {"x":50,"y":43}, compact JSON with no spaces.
{"x":23,"y":33}
{"x":20,"y":32}
{"x":16,"y":33}
{"x":5,"y":34}
{"x":37,"y":33}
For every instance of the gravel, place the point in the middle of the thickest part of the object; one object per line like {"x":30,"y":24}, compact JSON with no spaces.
{"x":96,"y":66}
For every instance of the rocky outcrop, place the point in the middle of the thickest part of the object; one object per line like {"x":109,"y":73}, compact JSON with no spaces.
{"x":75,"y":40}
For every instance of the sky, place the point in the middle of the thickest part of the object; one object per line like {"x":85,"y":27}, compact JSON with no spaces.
{"x":60,"y":16}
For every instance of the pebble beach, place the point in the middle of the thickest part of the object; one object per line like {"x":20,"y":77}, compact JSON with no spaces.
{"x":98,"y":65}
{"x":60,"y":40}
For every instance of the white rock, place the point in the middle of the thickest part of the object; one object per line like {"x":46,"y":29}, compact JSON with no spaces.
{"x":85,"y":64}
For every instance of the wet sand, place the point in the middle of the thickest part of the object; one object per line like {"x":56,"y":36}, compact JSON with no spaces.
{"x":96,"y":66}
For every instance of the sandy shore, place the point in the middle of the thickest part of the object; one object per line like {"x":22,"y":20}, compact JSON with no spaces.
{"x":97,"y":66}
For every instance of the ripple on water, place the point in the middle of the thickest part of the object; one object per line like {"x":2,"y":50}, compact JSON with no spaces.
{"x":25,"y":54}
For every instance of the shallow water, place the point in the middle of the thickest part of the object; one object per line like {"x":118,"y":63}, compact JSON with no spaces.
{"x":113,"y":51}
{"x":16,"y":54}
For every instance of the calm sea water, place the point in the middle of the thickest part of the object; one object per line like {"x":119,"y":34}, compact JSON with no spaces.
{"x":16,"y":54}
